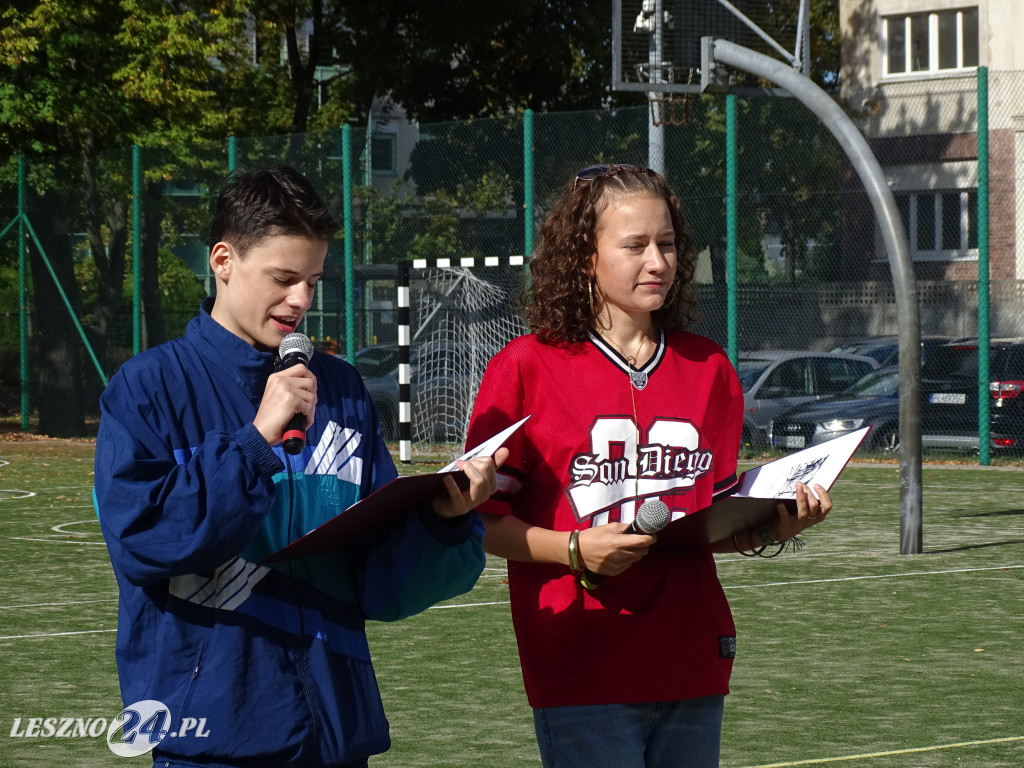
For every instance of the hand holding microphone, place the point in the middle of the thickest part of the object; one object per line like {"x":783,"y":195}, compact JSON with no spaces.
{"x":295,"y":349}
{"x":650,"y":518}
{"x":289,"y":399}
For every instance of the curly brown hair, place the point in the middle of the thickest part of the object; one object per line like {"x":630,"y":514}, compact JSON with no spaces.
{"x":557,"y":304}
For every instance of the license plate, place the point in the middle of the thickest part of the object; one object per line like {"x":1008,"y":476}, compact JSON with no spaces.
{"x":948,"y":398}
{"x":790,"y":441}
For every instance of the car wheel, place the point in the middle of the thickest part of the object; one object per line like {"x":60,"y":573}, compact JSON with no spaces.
{"x":886,"y":439}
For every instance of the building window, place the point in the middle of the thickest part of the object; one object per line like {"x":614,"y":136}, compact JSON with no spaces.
{"x":385,"y":153}
{"x":941,"y":225}
{"x":930,"y":43}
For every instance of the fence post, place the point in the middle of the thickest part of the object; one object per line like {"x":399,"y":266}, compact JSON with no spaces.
{"x":984,"y":398}
{"x":527,"y":183}
{"x":368,"y":325}
{"x":731,"y":237}
{"x":23,"y":293}
{"x":232,"y":153}
{"x":346,"y":207}
{"x":136,"y":249}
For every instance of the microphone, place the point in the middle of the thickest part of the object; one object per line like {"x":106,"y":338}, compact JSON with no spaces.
{"x":295,"y":349}
{"x":652,"y":516}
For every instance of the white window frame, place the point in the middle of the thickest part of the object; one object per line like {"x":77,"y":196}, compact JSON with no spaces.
{"x":933,"y":68}
{"x":933,"y":197}
{"x":392,"y":151}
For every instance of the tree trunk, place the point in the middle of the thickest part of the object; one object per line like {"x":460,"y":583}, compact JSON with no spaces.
{"x":62,"y":394}
{"x":109,"y":257}
{"x":301,"y":73}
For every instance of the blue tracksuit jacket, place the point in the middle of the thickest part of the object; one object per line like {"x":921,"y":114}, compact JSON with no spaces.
{"x":191,"y":499}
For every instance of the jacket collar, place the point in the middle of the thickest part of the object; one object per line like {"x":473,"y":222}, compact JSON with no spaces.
{"x":239,"y":360}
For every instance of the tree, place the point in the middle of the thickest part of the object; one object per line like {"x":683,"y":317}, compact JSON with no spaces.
{"x":470,"y":59}
{"x":84,"y":81}
{"x":439,"y":59}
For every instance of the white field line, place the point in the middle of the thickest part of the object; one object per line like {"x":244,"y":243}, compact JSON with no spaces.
{"x":59,"y":528}
{"x":56,"y":634}
{"x":735,"y":586}
{"x":17,"y":494}
{"x":37,"y":510}
{"x":467,"y":605}
{"x":911,"y":751}
{"x":875,"y":577}
{"x":750,"y":586}
{"x":55,"y":488}
{"x":56,"y":541}
{"x":729,"y":558}
{"x":60,"y":604}
{"x":810,"y":581}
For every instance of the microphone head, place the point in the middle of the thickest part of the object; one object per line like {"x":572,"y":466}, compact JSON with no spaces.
{"x":652,"y":516}
{"x":295,"y":344}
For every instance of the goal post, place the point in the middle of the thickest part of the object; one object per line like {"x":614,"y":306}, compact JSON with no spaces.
{"x":461,"y":313}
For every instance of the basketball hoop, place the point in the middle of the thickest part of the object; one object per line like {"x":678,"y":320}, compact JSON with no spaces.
{"x":672,"y":108}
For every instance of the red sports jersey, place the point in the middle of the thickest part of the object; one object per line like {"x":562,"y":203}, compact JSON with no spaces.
{"x":662,"y":630}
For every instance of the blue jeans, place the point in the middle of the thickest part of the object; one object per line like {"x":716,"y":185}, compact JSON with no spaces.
{"x":664,"y":734}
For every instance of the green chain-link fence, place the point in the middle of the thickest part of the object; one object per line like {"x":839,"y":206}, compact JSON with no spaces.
{"x":811,"y":270}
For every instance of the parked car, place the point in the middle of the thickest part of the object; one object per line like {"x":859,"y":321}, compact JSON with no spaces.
{"x":949,"y":388}
{"x":776,"y":380}
{"x":885,"y":349}
{"x":443,"y":377}
{"x":871,"y":401}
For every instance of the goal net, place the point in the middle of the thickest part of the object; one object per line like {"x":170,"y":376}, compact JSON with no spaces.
{"x":460,"y":317}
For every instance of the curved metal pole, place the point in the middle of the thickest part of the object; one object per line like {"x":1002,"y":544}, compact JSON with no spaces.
{"x":904,"y":284}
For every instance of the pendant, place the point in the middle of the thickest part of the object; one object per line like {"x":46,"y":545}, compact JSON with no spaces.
{"x":638,"y":378}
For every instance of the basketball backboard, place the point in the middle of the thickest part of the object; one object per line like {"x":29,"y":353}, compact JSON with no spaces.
{"x":656,"y":44}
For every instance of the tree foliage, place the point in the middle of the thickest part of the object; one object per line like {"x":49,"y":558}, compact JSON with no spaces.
{"x":81,"y":81}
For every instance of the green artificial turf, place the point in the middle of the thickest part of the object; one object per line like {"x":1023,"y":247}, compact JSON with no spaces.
{"x":848,"y":654}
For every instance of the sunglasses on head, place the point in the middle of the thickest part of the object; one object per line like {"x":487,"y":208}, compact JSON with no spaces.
{"x":593,"y":172}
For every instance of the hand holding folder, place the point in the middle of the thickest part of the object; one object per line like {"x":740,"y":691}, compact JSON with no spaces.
{"x":397,"y":498}
{"x":754,"y":501}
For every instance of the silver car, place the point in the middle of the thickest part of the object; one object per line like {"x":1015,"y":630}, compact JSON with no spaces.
{"x":444,"y":377}
{"x":776,"y":380}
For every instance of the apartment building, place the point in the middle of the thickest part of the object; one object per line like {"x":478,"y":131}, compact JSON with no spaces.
{"x":909,"y":69}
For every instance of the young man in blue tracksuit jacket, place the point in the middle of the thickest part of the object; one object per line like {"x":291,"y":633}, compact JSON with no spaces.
{"x":193,"y":491}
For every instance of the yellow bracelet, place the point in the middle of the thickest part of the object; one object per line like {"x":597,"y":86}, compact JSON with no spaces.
{"x":575,"y":561}
{"x":585,"y":582}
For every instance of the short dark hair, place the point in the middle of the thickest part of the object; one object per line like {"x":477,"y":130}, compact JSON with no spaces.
{"x":557,"y":304}
{"x":269,"y":202}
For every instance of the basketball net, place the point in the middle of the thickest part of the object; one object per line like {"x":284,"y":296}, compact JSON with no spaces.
{"x":672,"y":108}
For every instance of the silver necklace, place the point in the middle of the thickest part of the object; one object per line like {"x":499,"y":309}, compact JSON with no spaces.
{"x":637,"y":377}
{"x":651,"y":508}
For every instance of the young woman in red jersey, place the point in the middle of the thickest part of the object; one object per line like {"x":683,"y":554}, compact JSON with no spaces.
{"x":626,"y":650}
